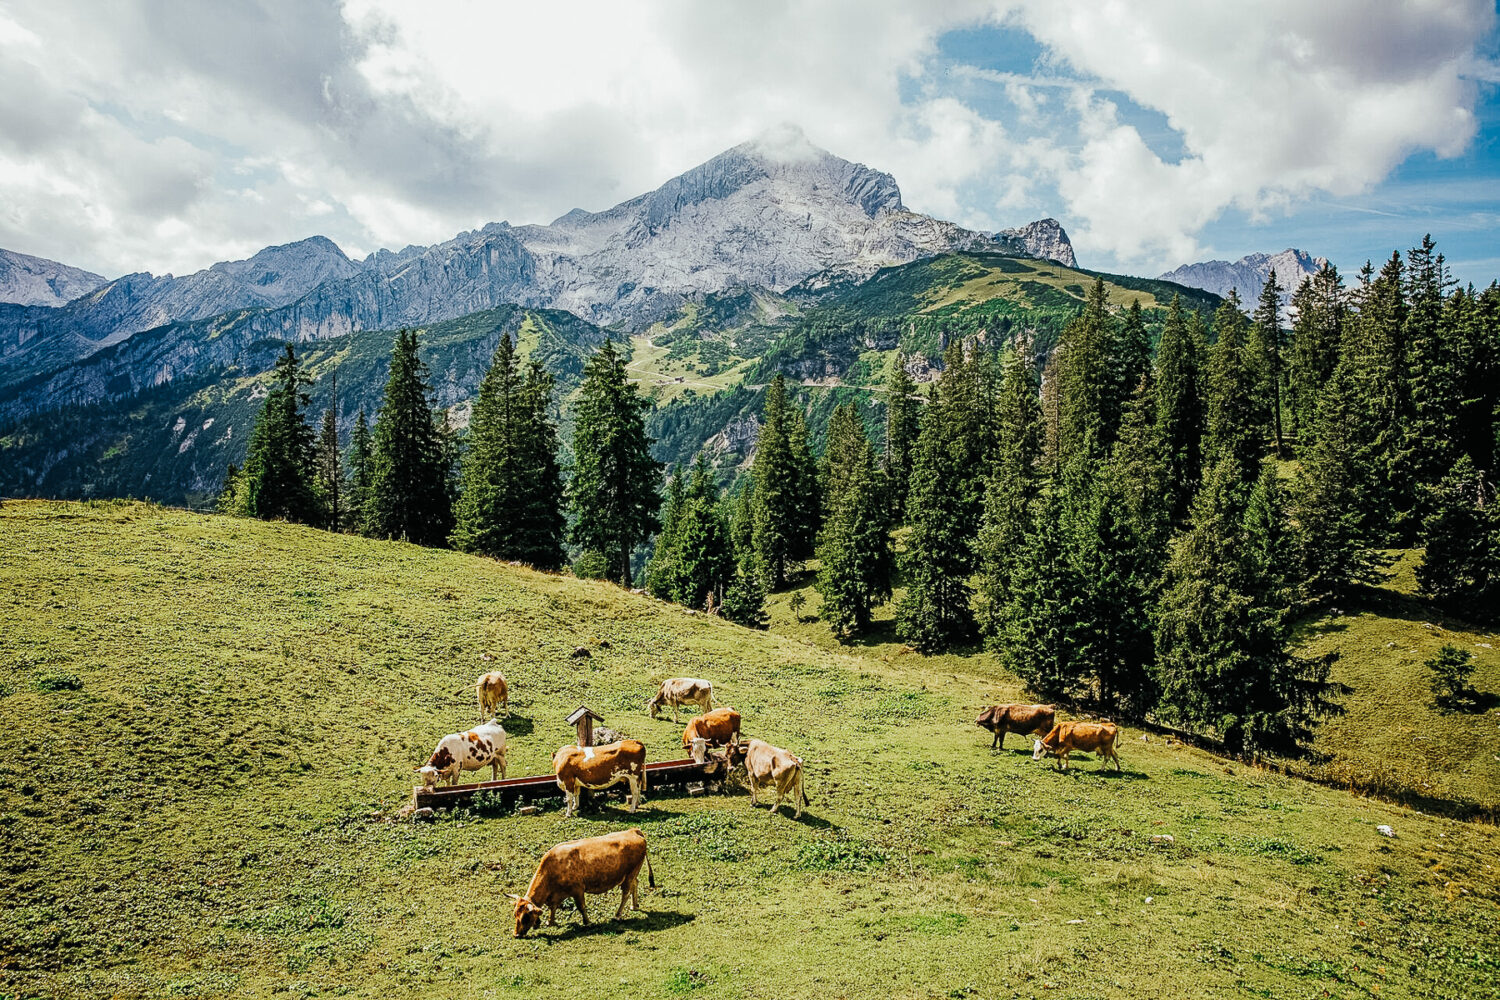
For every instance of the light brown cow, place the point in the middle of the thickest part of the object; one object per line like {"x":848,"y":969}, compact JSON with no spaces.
{"x":721,"y":727}
{"x":492,"y":692}
{"x":676,"y":691}
{"x":458,"y":752}
{"x":1002,"y":719}
{"x":572,"y":870}
{"x":1065,"y":737}
{"x":766,"y":765}
{"x":598,"y":768}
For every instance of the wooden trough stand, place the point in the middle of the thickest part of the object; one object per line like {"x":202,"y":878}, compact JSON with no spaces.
{"x":509,"y":792}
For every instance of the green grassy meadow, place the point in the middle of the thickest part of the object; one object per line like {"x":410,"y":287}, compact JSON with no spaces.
{"x":207,"y":726}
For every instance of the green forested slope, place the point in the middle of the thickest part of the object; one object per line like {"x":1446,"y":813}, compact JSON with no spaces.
{"x":207,"y":724}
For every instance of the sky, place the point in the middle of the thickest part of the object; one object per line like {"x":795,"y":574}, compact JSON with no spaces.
{"x":164,"y":136}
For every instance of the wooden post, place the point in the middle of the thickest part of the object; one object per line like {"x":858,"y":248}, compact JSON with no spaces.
{"x":583,"y":718}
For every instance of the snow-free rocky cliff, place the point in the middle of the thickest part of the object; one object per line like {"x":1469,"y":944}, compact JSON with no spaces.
{"x":768,"y":213}
{"x":1247,"y":276}
{"x":35,"y":281}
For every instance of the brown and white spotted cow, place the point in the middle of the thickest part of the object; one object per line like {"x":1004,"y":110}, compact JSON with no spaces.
{"x":721,"y":727}
{"x":456,"y":752}
{"x":1002,"y":719}
{"x":574,"y":869}
{"x":768,"y":765}
{"x":675,"y":691}
{"x":493,"y":693}
{"x":1065,"y":737}
{"x":600,"y":767}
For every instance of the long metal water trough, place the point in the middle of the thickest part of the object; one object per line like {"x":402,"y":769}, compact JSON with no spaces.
{"x":511,"y":791}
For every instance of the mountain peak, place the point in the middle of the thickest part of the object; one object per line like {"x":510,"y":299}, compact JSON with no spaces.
{"x":1247,"y":276}
{"x":35,"y":281}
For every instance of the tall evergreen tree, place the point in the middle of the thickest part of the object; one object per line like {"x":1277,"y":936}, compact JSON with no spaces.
{"x":745,"y":598}
{"x":1330,"y":493}
{"x":855,"y":551}
{"x":330,"y":472}
{"x":1473,"y":321}
{"x":902,"y":422}
{"x":1432,"y":354}
{"x":1266,"y":349}
{"x":1014,"y":482}
{"x":1317,"y":333}
{"x":1178,"y":393}
{"x":280,"y":460}
{"x":614,"y":498}
{"x":661,"y":569}
{"x":410,"y":486}
{"x":1130,"y":362}
{"x":1224,"y":627}
{"x":703,"y":551}
{"x":1086,"y":380}
{"x":786,"y":500}
{"x":1461,"y":565}
{"x":1238,"y":414}
{"x":511,"y":502}
{"x":361,"y":473}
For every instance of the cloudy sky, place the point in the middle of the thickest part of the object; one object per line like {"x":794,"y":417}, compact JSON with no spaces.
{"x":163,"y":136}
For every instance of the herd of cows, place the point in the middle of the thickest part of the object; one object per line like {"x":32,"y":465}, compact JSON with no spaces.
{"x":596,"y":865}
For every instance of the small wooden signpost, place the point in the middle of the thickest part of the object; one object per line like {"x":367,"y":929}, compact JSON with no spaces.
{"x":584,"y":718}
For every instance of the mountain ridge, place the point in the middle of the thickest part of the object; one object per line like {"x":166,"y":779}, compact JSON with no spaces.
{"x":1247,"y":276}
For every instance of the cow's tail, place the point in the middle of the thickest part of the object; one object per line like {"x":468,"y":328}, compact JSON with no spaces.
{"x":800,"y":789}
{"x":650,"y":875}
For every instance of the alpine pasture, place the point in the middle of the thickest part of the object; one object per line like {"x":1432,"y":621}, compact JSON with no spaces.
{"x":208,"y":726}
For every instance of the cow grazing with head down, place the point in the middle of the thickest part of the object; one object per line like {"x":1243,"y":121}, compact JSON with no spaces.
{"x":675,"y":691}
{"x":1002,"y":719}
{"x":457,"y":752}
{"x":721,"y":727}
{"x":768,"y":765}
{"x":1065,"y":737}
{"x":579,"y":867}
{"x":578,"y":768}
{"x":492,"y":692}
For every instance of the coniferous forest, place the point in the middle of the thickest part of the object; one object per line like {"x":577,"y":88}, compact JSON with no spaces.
{"x":1133,"y":519}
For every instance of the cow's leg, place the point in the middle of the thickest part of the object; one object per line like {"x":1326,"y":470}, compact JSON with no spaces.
{"x":582,"y":910}
{"x":750,"y":780}
{"x":797,"y":795}
{"x":998,"y":743}
{"x":635,"y":791}
{"x":552,"y":921}
{"x":624,"y":895}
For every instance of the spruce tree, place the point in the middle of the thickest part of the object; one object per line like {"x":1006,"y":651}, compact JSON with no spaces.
{"x":703,"y":551}
{"x":1317,"y":333}
{"x":1432,"y":352}
{"x":855,"y":551}
{"x":1087,"y":412}
{"x":1041,"y":636}
{"x":661,"y":569}
{"x":1238,"y":412}
{"x":613,"y":497}
{"x":902,"y":422}
{"x":410,"y":485}
{"x":511,"y":502}
{"x":1014,"y":481}
{"x":1476,"y":319}
{"x":745,"y":598}
{"x":786,"y":495}
{"x":1224,"y":628}
{"x":1130,"y":362}
{"x":1266,"y":349}
{"x":935,"y":614}
{"x":330,"y":479}
{"x":1461,"y":564}
{"x":1178,"y":396}
{"x":1330,"y":492}
{"x":361,"y":473}
{"x":280,"y":460}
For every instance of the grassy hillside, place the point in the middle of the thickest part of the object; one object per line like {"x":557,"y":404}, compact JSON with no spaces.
{"x":207,"y":724}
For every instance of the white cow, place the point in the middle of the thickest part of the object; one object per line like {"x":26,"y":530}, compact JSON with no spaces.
{"x":457,"y":752}
{"x":765,"y":765}
{"x":676,"y":691}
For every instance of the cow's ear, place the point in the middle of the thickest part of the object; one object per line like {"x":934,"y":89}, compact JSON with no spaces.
{"x":514,"y":896}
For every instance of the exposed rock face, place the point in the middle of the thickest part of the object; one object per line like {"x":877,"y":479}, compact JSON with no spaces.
{"x":1247,"y":276}
{"x":768,"y":213}
{"x":1044,"y":238}
{"x":35,"y":281}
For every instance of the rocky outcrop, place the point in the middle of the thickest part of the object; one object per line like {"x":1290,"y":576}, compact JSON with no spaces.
{"x":1247,"y":276}
{"x":1044,"y":238}
{"x":35,"y":281}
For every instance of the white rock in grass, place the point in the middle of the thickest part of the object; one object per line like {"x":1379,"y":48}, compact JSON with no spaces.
{"x":1385,"y":831}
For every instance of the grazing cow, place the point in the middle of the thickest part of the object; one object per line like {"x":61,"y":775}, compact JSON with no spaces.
{"x":1002,"y":719}
{"x":578,"y":867}
{"x":1096,"y":737}
{"x":721,"y":727}
{"x":492,"y":692}
{"x":676,"y":691}
{"x":765,"y":764}
{"x":468,"y":751}
{"x":600,"y":767}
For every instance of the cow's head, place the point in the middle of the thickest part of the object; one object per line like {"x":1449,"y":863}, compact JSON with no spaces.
{"x":528,"y":915}
{"x":655,"y":703}
{"x":987,"y":718}
{"x":429,"y":775}
{"x":1039,"y":749}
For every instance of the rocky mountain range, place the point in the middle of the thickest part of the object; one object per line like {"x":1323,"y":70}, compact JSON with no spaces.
{"x":1247,"y":276}
{"x":35,"y":281}
{"x":768,"y":213}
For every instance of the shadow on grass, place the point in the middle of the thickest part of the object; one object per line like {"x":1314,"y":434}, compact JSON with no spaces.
{"x":516,"y":725}
{"x":785,"y":812}
{"x":642,"y":921}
